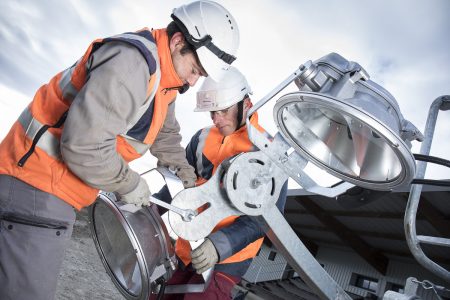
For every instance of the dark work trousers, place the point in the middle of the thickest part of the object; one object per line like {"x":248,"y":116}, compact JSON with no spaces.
{"x":35,"y":229}
{"x":220,"y":286}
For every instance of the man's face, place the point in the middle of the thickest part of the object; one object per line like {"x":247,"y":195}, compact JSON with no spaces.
{"x":225,"y":120}
{"x":186,"y":65}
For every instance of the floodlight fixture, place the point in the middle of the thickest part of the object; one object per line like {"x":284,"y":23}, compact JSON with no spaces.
{"x":348,"y":125}
{"x":134,"y":244}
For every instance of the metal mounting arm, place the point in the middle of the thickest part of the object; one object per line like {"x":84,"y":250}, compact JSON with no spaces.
{"x":245,"y":176}
{"x":281,"y":153}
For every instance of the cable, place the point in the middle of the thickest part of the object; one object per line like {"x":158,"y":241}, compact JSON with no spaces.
{"x":431,"y":182}
{"x":435,"y":160}
{"x":432,"y":159}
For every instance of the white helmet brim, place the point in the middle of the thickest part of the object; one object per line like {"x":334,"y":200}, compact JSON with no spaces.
{"x":218,"y":95}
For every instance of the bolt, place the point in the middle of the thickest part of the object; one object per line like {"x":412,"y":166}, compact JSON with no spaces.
{"x":255,"y":183}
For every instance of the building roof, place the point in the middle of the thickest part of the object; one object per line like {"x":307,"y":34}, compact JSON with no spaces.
{"x":370,"y":223}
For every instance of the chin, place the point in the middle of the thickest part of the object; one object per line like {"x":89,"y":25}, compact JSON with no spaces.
{"x":224,"y":132}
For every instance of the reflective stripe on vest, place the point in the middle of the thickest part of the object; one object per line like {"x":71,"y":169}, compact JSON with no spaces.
{"x":68,"y":90}
{"x":47,"y":142}
{"x":199,"y":153}
{"x":149,"y":51}
{"x":144,"y":45}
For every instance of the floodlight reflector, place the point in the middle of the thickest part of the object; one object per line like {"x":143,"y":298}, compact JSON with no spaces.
{"x":344,"y":140}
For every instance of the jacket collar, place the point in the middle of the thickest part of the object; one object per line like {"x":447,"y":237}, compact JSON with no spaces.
{"x":169,"y":77}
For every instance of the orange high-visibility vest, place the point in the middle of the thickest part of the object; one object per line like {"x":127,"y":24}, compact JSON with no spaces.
{"x":42,"y":122}
{"x":216,"y":148}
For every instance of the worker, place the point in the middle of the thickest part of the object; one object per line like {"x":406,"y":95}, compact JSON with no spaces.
{"x":83,"y":127}
{"x":236,"y":240}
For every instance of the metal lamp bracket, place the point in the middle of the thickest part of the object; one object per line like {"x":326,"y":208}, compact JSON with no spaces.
{"x":250,"y":184}
{"x":281,"y":153}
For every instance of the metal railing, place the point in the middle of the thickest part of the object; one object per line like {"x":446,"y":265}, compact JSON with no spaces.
{"x":414,"y":240}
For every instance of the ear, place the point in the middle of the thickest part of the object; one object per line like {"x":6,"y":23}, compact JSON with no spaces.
{"x":247,"y":104}
{"x":177,"y":40}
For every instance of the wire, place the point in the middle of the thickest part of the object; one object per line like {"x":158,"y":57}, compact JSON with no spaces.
{"x":435,"y":160}
{"x":434,"y":182}
{"x":432,"y":159}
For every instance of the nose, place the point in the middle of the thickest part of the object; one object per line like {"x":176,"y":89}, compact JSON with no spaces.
{"x":216,"y":118}
{"x":192,"y":79}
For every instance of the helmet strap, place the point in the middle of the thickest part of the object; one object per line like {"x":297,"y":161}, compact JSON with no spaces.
{"x":240,"y":114}
{"x":181,"y":89}
{"x":205,"y":41}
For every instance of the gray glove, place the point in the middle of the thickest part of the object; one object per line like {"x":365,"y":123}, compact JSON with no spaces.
{"x":187,"y":176}
{"x":139,"y":196}
{"x":204,"y":256}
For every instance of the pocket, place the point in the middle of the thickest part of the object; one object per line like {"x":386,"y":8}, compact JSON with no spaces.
{"x":35,"y":225}
{"x":33,"y":251}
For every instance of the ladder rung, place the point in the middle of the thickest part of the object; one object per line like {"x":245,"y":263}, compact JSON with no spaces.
{"x":434,"y":240}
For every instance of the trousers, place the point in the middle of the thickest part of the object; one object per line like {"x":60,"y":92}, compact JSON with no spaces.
{"x":220,"y":286}
{"x":35,"y":229}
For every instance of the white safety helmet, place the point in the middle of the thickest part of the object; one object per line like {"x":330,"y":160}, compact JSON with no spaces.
{"x":231,"y":89}
{"x":212,"y":31}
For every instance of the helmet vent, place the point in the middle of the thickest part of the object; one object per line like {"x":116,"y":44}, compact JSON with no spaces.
{"x":198,"y":32}
{"x":229,"y":21}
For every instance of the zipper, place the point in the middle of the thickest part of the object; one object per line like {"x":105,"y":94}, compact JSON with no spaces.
{"x":34,"y":221}
{"x":38,"y":135}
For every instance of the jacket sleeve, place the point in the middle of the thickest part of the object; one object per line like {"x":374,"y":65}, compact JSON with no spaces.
{"x":191,"y":152}
{"x":243,"y":231}
{"x":168,"y":150}
{"x":116,"y":87}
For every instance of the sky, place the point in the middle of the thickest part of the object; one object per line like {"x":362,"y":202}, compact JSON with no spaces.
{"x":404,"y":45}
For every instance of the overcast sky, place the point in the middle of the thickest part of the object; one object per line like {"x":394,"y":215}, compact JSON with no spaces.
{"x":403,"y":45}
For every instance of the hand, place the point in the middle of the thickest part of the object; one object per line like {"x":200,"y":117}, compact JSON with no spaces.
{"x":187,"y":176}
{"x":204,"y":256}
{"x":139,"y":196}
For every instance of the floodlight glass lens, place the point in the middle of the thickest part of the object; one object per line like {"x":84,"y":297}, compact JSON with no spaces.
{"x":119,"y":254}
{"x":340,"y":141}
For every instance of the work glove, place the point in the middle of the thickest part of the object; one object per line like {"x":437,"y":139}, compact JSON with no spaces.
{"x":139,"y":196}
{"x":204,"y":256}
{"x":187,"y":176}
